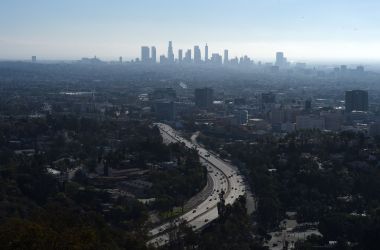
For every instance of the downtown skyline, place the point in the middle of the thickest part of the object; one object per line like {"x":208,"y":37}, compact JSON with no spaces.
{"x":193,"y":55}
{"x":307,"y":30}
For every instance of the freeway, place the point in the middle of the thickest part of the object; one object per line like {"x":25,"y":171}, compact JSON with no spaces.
{"x":224,"y":177}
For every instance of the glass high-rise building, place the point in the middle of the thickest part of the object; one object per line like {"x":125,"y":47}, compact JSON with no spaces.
{"x":206,"y":53}
{"x":170,"y":53}
{"x":226,"y":56}
{"x":154,"y":54}
{"x":145,"y":58}
{"x":197,"y":55}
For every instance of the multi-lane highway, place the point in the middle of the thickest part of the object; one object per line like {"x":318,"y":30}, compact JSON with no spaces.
{"x":224,"y":178}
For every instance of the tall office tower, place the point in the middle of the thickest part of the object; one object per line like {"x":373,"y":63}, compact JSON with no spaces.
{"x":34,"y":59}
{"x":153,"y":54}
{"x":279,"y":59}
{"x":356,"y":100}
{"x":187,"y":56}
{"x":197,"y":55}
{"x":206,"y":53}
{"x":226,"y":57}
{"x":170,"y":53}
{"x":120,"y":59}
{"x":180,"y":55}
{"x":145,"y":54}
{"x":204,"y":97}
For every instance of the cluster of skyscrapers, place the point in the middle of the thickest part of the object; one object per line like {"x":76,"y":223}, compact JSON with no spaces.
{"x":148,"y":55}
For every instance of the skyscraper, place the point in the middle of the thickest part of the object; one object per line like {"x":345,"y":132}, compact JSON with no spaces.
{"x":180,"y":55}
{"x":120,"y":59}
{"x":356,"y":100}
{"x":187,"y":56}
{"x":197,"y":55}
{"x":206,"y":53}
{"x":170,"y":53}
{"x":145,"y":54}
{"x":154,"y":54}
{"x":226,"y":57}
{"x":34,"y":59}
{"x":280,"y":59}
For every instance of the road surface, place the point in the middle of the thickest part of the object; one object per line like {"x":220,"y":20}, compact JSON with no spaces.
{"x":224,"y":177}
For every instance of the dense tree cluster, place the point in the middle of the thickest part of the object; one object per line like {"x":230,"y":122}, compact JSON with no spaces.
{"x":174,"y":186}
{"x":330,"y":178}
{"x":40,"y":211}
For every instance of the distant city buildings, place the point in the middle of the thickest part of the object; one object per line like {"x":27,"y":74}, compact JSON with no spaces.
{"x":34,"y":59}
{"x":197,"y":55}
{"x":356,"y":100}
{"x":170,"y":53}
{"x":360,"y":69}
{"x":188,"y":56}
{"x":148,"y":55}
{"x":154,"y":55}
{"x":164,"y":106}
{"x":310,"y":122}
{"x":204,"y":98}
{"x":206,"y":53}
{"x":165,"y":110}
{"x":281,"y":60}
{"x":202,"y":56}
{"x":145,"y":58}
{"x":267,"y":99}
{"x":216,"y":59}
{"x":180,"y":55}
{"x":162,"y":59}
{"x":164,"y":94}
{"x":225,"y":56}
{"x":241,"y":117}
{"x":192,"y":56}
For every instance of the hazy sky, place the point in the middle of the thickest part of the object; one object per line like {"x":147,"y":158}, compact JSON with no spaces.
{"x":303,"y":29}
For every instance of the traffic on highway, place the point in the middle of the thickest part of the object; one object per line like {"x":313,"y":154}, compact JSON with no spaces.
{"x":224,"y":177}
